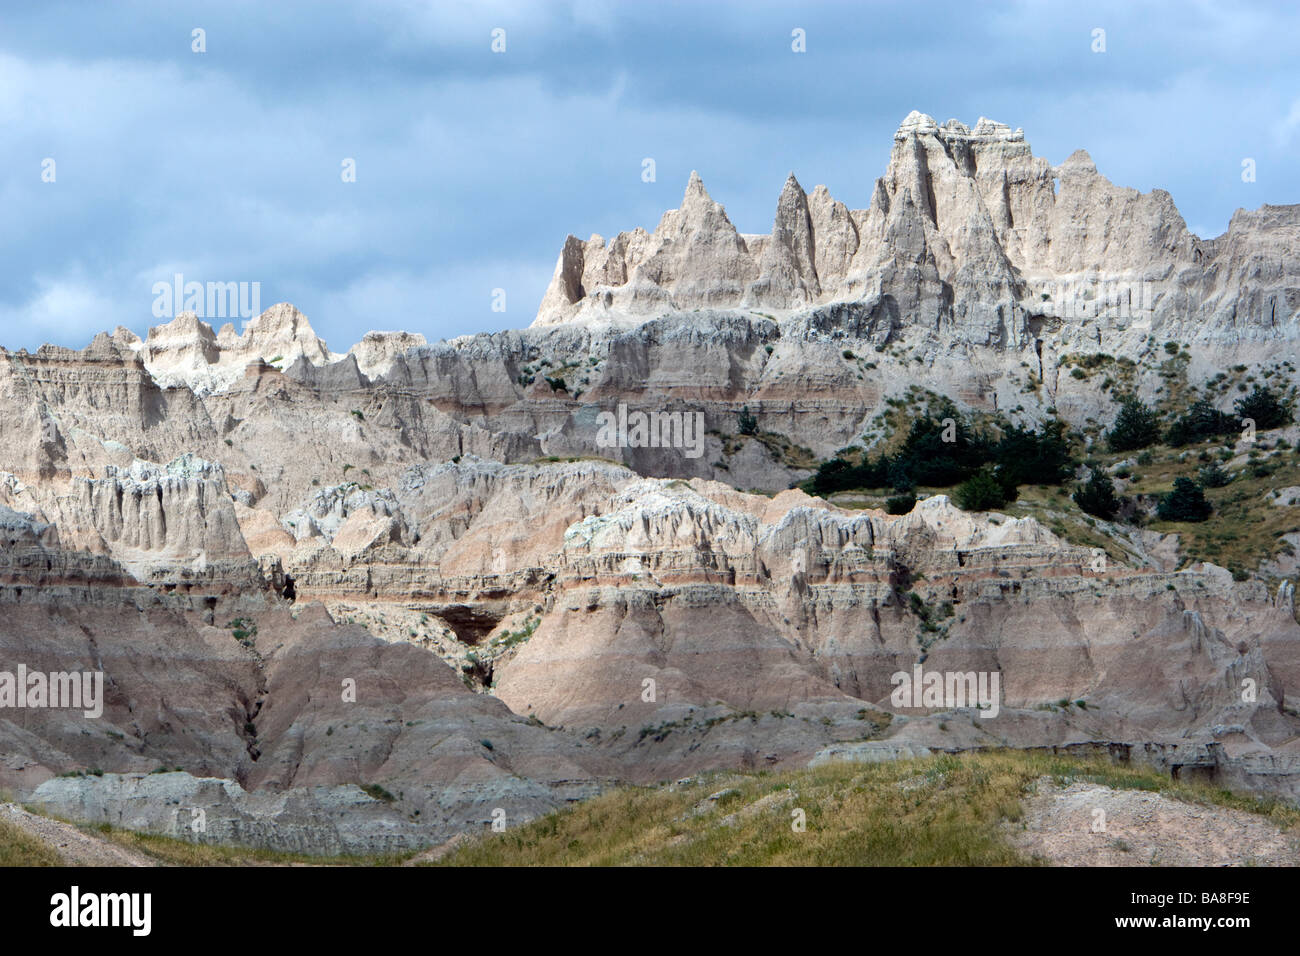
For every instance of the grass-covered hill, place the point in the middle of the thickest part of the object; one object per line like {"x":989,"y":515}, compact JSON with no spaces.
{"x":939,"y":811}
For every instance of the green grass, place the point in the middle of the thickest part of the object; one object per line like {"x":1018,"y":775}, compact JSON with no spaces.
{"x":1245,"y":529}
{"x":1058,"y":513}
{"x":172,"y":852}
{"x":19,"y":848}
{"x":939,"y":811}
{"x":508,"y":639}
{"x":783,"y":450}
{"x":378,"y":792}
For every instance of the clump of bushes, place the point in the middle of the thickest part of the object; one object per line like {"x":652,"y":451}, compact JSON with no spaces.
{"x":900,"y":504}
{"x":1200,"y":422}
{"x":1213,"y":475}
{"x":1267,"y":409}
{"x":243,"y":630}
{"x":942,"y":450}
{"x":983,"y":491}
{"x":377,"y":792}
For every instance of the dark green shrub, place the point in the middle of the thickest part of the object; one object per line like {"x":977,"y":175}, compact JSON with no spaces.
{"x":1185,"y":503}
{"x":748,"y":423}
{"x":378,"y":792}
{"x":1213,"y":475}
{"x":839,"y":474}
{"x":900,"y":504}
{"x":942,"y":450}
{"x":982,"y":491}
{"x":929,"y":458}
{"x":1097,"y":495}
{"x":1200,"y":422}
{"x":1034,"y":457}
{"x":1266,"y":408}
{"x":1136,"y":426}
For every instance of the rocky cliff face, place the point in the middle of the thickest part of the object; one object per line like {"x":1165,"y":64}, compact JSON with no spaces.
{"x":979,"y":271}
{"x":968,"y":234}
{"x":629,"y":628}
{"x":364,"y":587}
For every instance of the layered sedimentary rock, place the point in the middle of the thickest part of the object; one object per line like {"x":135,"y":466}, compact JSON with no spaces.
{"x":292,"y":723}
{"x":968,"y":233}
{"x":659,"y":628}
{"x":231,"y":527}
{"x":186,"y":351}
{"x":976,"y":271}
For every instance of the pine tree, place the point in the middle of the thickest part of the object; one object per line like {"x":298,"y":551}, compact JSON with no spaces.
{"x":982,"y":491}
{"x":1200,"y":422}
{"x":1097,"y":496}
{"x":900,"y":504}
{"x":1185,"y":503}
{"x":1136,"y":426}
{"x":1265,"y":408}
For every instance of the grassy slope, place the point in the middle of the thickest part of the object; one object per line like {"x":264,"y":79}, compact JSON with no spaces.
{"x":1245,"y":529}
{"x":19,"y":848}
{"x":946,"y":810}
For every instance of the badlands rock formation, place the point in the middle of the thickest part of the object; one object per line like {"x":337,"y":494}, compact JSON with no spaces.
{"x":968,"y":234}
{"x":351,"y":602}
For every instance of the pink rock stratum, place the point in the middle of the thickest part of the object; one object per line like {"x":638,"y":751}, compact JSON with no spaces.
{"x":363,"y":601}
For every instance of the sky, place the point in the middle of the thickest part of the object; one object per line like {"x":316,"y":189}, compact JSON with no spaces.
{"x":128,"y":156}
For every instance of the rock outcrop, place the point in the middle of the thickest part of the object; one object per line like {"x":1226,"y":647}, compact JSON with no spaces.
{"x":186,"y":351}
{"x":968,"y":233}
{"x":364,"y":601}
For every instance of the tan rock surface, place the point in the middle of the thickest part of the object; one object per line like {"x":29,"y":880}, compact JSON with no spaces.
{"x":178,"y":512}
{"x":1092,"y":825}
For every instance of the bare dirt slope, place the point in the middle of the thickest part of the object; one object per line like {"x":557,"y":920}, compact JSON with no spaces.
{"x":1088,"y":824}
{"x":74,"y":846}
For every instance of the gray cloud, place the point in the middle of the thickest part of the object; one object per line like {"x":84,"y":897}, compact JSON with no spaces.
{"x":472,"y":167}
